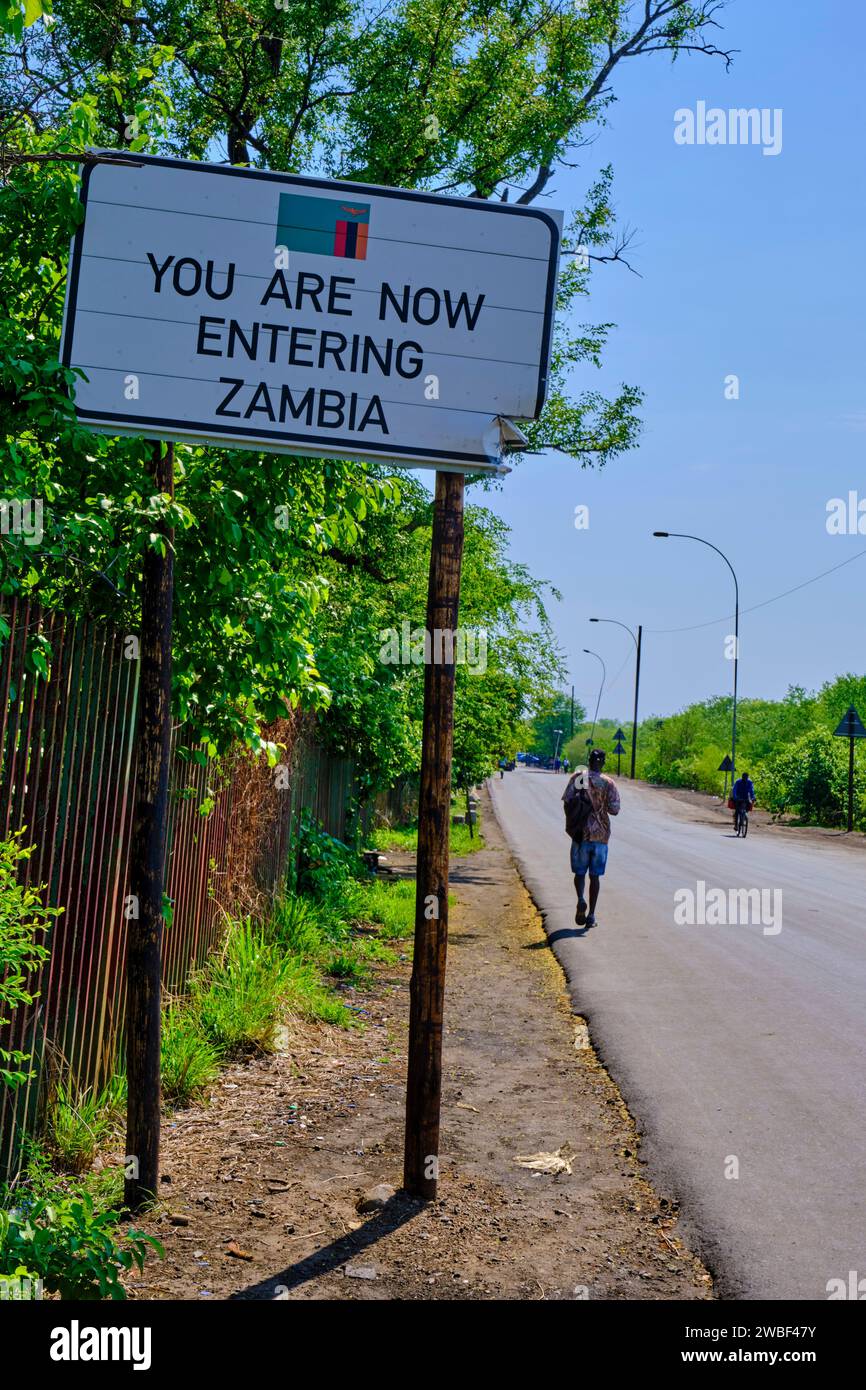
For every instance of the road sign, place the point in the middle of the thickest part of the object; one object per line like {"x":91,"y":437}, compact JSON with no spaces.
{"x":619,"y":736}
{"x":850,"y":726}
{"x":619,"y":746}
{"x":258,"y":310}
{"x":619,"y":749}
{"x":726,"y":766}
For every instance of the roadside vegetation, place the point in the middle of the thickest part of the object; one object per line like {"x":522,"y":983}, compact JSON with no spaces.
{"x":61,"y":1215}
{"x":463,"y":839}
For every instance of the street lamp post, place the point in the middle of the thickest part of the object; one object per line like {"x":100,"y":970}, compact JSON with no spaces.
{"x":558,"y":733}
{"x":679,"y":535}
{"x":637,"y":643}
{"x":600,"y":689}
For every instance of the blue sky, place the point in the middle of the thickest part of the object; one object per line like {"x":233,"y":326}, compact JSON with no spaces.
{"x":750,"y":265}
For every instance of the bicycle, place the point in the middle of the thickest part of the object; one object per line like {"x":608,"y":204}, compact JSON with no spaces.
{"x":741,"y":823}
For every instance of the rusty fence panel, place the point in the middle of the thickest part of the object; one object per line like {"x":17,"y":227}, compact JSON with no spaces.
{"x":67,"y":779}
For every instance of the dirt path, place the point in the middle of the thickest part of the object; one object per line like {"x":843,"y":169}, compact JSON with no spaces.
{"x":264,"y":1183}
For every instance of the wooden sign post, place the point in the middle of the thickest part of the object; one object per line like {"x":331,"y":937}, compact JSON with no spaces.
{"x":147,"y":871}
{"x":469,"y":280}
{"x":427,"y":990}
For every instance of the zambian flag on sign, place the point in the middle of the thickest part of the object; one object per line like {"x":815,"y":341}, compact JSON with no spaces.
{"x":324,"y":226}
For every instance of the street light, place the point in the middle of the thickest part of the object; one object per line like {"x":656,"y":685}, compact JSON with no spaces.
{"x":558,"y":733}
{"x":679,"y":535}
{"x":637,"y":642}
{"x":600,"y":688}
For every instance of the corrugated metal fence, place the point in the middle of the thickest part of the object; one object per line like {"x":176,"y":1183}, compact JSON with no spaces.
{"x":67,"y":778}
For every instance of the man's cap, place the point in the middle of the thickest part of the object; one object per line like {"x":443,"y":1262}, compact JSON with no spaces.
{"x":598,"y":753}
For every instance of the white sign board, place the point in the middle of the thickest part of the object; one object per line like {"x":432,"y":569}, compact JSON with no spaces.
{"x":256,"y":310}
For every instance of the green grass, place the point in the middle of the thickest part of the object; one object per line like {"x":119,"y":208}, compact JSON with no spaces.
{"x":405,"y":837}
{"x":242,"y":995}
{"x":292,"y":963}
{"x":190,"y":1060}
{"x":391,"y":906}
{"x":80,"y":1121}
{"x":349,"y":965}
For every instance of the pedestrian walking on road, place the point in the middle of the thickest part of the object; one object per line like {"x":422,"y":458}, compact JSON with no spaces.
{"x":590,"y":799}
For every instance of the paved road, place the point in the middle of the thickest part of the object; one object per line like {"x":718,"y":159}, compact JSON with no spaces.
{"x":729,"y":1042}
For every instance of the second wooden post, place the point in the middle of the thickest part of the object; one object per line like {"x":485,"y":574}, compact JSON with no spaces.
{"x":427,"y":991}
{"x":147,"y":858}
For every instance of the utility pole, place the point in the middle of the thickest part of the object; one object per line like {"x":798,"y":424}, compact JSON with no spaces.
{"x":636,"y":689}
{"x":427,"y":989}
{"x":147,"y":862}
{"x":571,"y":733}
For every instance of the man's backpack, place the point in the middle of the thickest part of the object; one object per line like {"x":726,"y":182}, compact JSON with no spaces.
{"x":578,"y":809}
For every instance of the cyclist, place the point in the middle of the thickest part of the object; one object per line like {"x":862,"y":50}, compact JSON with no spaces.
{"x":742,"y":795}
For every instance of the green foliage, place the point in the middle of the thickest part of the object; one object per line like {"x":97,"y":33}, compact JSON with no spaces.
{"x":809,"y":779}
{"x":324,"y":862}
{"x":80,"y":1121}
{"x":77,"y":1250}
{"x":239,"y":996}
{"x":287,"y":570}
{"x":22,"y":918}
{"x":190,"y":1061}
{"x":539,"y":732}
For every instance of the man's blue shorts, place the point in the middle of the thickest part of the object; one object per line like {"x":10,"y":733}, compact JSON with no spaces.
{"x":588,"y":857}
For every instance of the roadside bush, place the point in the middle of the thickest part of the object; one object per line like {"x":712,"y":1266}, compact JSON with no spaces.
{"x":810,"y":780}
{"x":76,"y":1250}
{"x":238,"y":995}
{"x":323,"y":861}
{"x":190,"y":1061}
{"x":22,"y":918}
{"x":79,"y":1122}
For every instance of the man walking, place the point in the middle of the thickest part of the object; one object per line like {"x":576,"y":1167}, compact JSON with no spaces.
{"x":590,"y":799}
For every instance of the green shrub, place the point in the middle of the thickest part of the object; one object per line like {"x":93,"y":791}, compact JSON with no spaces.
{"x":76,"y":1250}
{"x":190,"y":1061}
{"x":238,"y":996}
{"x":296,"y":925}
{"x":22,"y":918}
{"x":323,"y":860}
{"x":809,"y":779}
{"x":79,"y":1122}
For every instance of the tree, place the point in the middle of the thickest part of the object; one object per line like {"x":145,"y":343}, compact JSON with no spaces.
{"x":551,"y":715}
{"x":486,"y":98}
